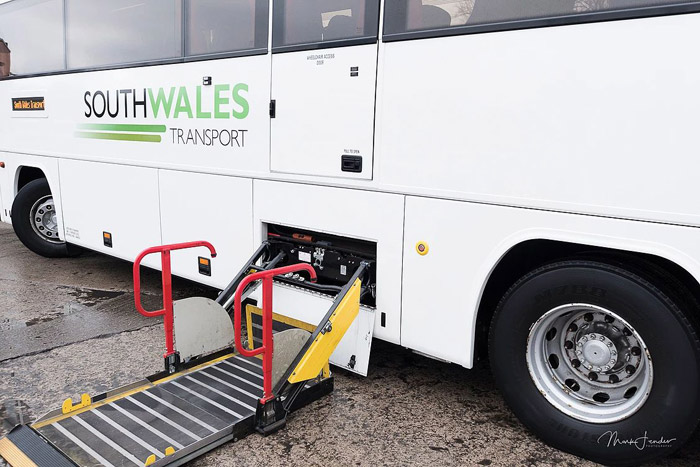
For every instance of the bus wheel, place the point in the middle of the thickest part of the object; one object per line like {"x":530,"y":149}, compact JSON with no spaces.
{"x":34,"y":221}
{"x":598,"y":362}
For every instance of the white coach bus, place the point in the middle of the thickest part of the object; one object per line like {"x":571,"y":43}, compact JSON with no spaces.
{"x":522,"y":173}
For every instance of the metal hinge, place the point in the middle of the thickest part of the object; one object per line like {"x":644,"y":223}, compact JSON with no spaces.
{"x":273,"y":108}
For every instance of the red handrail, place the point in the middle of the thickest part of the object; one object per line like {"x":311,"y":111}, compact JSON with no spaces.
{"x":267,"y":347}
{"x":167,"y":310}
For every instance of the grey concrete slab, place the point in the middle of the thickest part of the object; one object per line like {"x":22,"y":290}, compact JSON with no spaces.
{"x":113,"y":317}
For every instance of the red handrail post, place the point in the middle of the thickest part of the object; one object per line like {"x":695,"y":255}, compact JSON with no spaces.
{"x":167,"y":281}
{"x":267,"y":337}
{"x":267,"y":347}
{"x":168,"y":318}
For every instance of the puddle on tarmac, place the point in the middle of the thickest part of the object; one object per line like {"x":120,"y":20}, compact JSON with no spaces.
{"x":84,"y":298}
{"x":92,"y":297}
{"x":13,"y":412}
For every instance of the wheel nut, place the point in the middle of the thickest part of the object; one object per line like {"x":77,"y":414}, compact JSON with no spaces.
{"x":593,"y":376}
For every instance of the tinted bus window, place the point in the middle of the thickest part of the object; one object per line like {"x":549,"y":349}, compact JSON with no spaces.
{"x":111,"y":32}
{"x":216,"y":26}
{"x":317,"y":21}
{"x":415,"y":15}
{"x":33,"y":31}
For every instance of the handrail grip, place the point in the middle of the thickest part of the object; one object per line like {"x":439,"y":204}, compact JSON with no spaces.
{"x":166,"y":274}
{"x":267,"y":347}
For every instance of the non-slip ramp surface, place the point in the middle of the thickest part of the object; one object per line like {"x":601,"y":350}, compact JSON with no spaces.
{"x":179,"y":413}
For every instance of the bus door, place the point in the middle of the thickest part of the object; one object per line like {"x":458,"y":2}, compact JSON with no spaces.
{"x":324,"y":73}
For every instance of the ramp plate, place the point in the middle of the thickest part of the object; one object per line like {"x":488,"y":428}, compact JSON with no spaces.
{"x":170,"y":419}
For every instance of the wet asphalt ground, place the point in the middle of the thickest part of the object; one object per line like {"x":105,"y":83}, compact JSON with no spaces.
{"x":68,"y":326}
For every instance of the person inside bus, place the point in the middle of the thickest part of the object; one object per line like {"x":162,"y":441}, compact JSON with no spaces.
{"x":494,"y":11}
{"x":4,"y":59}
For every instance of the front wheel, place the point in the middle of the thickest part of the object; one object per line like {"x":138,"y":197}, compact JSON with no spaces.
{"x":597,"y":361}
{"x":34,"y":220}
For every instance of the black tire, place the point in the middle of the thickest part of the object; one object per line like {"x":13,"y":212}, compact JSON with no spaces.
{"x":672,"y":409}
{"x":22,"y":222}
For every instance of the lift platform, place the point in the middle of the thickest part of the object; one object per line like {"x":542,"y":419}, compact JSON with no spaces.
{"x":213,"y":389}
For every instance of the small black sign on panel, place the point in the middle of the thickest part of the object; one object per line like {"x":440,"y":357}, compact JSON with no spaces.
{"x":354,"y":71}
{"x":204,"y":266}
{"x":28,"y":104}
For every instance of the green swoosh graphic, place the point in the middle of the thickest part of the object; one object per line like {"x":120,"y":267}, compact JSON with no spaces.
{"x":122,"y":127}
{"x":119,"y":136}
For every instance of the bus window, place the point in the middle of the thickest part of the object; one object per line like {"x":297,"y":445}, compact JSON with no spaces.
{"x":299,"y":22}
{"x":216,"y":26}
{"x":4,"y":59}
{"x":33,"y":30}
{"x":111,"y":32}
{"x":423,"y":15}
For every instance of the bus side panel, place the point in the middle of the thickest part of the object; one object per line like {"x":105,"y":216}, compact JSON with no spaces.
{"x":214,"y":208}
{"x":364,"y":215}
{"x":595,"y":118}
{"x":163,"y":116}
{"x":442,"y":289}
{"x":115,"y":199}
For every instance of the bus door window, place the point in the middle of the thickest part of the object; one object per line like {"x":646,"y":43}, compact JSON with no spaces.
{"x":313,"y":21}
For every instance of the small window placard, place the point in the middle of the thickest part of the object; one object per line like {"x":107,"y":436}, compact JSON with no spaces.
{"x":34,"y":106}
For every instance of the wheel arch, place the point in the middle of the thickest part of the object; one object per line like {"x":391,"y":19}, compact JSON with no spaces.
{"x":522,"y":253}
{"x":25,"y":174}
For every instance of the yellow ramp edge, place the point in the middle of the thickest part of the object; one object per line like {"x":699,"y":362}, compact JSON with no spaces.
{"x":316,"y":357}
{"x":254,"y":310}
{"x":13,"y":455}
